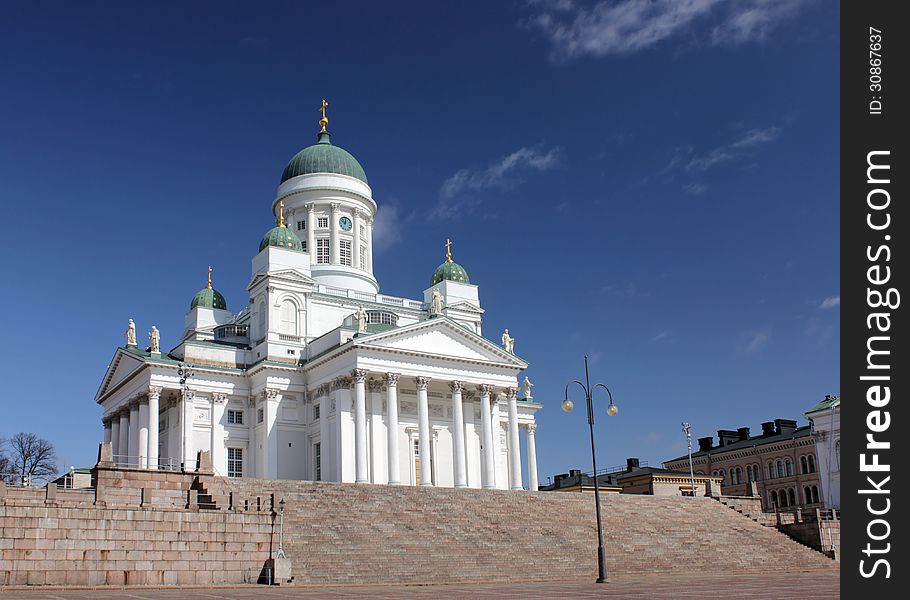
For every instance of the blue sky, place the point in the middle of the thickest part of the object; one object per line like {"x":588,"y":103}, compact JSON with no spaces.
{"x":654,"y":184}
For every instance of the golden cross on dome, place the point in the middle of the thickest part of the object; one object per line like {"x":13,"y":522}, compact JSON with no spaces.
{"x":448,"y":246}
{"x":280,"y":222}
{"x":209,"y":285}
{"x":324,"y":120}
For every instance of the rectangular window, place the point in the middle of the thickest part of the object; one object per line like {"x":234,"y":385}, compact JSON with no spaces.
{"x":317,"y":458}
{"x":303,"y":245}
{"x":322,"y":222}
{"x":322,"y":252}
{"x":235,"y":417}
{"x":345,"y":252}
{"x":316,"y":409}
{"x":301,"y":225}
{"x":363,"y":257}
{"x":260,"y":415}
{"x":363,"y":231}
{"x":235,"y":462}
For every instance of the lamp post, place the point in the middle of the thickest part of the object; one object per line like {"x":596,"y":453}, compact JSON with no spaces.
{"x":568,"y":405}
{"x":184,"y":373}
{"x":688,"y":432}
{"x":280,"y":553}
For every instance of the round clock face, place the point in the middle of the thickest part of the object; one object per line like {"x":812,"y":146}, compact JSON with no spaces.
{"x":345,"y":223}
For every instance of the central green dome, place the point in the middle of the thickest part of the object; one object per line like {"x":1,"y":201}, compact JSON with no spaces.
{"x":323,"y":157}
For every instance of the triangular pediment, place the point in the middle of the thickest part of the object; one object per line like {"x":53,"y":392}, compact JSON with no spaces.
{"x":465,"y":306}
{"x":122,"y":367}
{"x":289,"y":275}
{"x":441,"y":337}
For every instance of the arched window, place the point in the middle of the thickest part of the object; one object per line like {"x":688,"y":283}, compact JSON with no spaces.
{"x":780,"y":469}
{"x":789,"y":466}
{"x":288,"y":318}
{"x":811,"y":463}
{"x":815,"y":494}
{"x":773,"y":499}
{"x":262,"y":319}
{"x":733,"y":478}
{"x":756,"y":472}
{"x":770,"y":470}
{"x":739,"y":475}
{"x":807,"y":492}
{"x":804,"y":464}
{"x":749,"y":473}
{"x":783,"y":498}
{"x":792,"y":495}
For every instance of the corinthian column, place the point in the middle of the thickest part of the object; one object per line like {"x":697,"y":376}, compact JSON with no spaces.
{"x":311,"y":231}
{"x":333,"y":235}
{"x":423,"y":424}
{"x":142,"y":446}
{"x":488,"y":473}
{"x":533,"y":485}
{"x":514,"y":448}
{"x":133,"y":442}
{"x":360,"y":425}
{"x":123,"y":448}
{"x":114,"y":419}
{"x":391,"y":382}
{"x":459,"y":459}
{"x":154,"y":396}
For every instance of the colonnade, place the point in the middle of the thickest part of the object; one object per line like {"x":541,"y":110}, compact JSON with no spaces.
{"x":132,"y":430}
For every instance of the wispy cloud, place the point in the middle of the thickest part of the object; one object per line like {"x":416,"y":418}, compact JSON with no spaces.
{"x":755,"y":341}
{"x":696,"y":189}
{"x":387,"y":228}
{"x":830,"y":302}
{"x":742,"y":146}
{"x":618,"y":27}
{"x":661,"y":335}
{"x":626,"y":291}
{"x":459,"y":192}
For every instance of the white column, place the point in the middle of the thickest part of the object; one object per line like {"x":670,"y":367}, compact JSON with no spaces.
{"x":187,"y":451}
{"x":514,"y":448}
{"x":369,"y":230}
{"x":333,"y":235}
{"x":311,"y":231}
{"x":219,"y":455}
{"x":423,"y":424}
{"x":133,"y":442}
{"x":173,"y":434}
{"x":270,"y":431}
{"x":459,"y":459}
{"x":356,"y":257}
{"x":115,"y":435}
{"x":533,"y":484}
{"x":106,"y":423}
{"x":360,"y":425}
{"x":391,"y":382}
{"x":488,"y":473}
{"x":142,"y":445}
{"x":123,"y":449}
{"x":153,"y":434}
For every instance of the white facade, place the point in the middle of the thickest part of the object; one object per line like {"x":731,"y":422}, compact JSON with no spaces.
{"x":825,"y":421}
{"x":292,"y":387}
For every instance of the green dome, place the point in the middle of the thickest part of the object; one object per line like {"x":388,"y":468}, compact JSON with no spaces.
{"x":281,"y":237}
{"x":323,"y":157}
{"x":450,"y":271}
{"x":208,"y":298}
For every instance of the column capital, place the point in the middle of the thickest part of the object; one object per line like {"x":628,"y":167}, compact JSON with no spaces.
{"x":531,"y":427}
{"x":341,"y":383}
{"x":155,"y":390}
{"x":270,"y":394}
{"x":485,"y":389}
{"x":376,"y":385}
{"x":335,"y":206}
{"x":310,"y":206}
{"x":324,"y":390}
{"x":422,"y":382}
{"x":391,"y":379}
{"x":219,"y":398}
{"x":107,"y":419}
{"x":359,"y":375}
{"x":456,"y":386}
{"x":511,"y":393}
{"x":134,"y":403}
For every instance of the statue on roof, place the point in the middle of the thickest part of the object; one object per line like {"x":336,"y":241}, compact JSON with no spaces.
{"x":131,"y":334}
{"x":154,"y":340}
{"x":361,"y":317}
{"x":526,"y":386}
{"x":436,"y":305}
{"x":508,"y":342}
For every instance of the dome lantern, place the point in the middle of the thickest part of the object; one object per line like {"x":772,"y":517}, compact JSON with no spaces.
{"x":450,"y":270}
{"x":323,"y":157}
{"x":280,"y":236}
{"x":208,"y":297}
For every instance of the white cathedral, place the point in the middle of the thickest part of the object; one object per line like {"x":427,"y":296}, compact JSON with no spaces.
{"x":322,"y":377}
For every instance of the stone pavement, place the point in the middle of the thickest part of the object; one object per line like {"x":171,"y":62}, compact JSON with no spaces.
{"x":777,"y":586}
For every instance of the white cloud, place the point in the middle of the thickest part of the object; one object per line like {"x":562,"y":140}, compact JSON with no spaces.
{"x":388,"y":224}
{"x":662,"y":335}
{"x":830,"y":302}
{"x":748,"y":142}
{"x":696,"y":189}
{"x":457,"y":192}
{"x":617,"y":27}
{"x":755,"y":341}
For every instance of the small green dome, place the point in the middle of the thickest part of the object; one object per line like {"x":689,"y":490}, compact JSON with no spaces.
{"x":208,"y":298}
{"x":323,"y":157}
{"x":281,"y":237}
{"x":450,"y":271}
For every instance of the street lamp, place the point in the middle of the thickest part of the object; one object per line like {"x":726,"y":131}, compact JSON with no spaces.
{"x":568,"y":405}
{"x":280,"y":553}
{"x":184,"y":373}
{"x":688,"y":432}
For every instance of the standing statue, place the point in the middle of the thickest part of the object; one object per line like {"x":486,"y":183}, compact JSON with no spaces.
{"x":526,"y":386}
{"x":361,"y":317}
{"x":154,"y":340}
{"x":436,"y":303}
{"x":131,"y":334}
{"x":508,"y":342}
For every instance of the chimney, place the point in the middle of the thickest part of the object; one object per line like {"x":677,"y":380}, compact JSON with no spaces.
{"x":725,"y":437}
{"x":705,"y":443}
{"x":575,"y":473}
{"x":631,"y":464}
{"x":743,"y":433}
{"x":767,"y":428}
{"x":785,"y":425}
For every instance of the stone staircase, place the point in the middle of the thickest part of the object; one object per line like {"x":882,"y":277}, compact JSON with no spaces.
{"x":358,"y":534}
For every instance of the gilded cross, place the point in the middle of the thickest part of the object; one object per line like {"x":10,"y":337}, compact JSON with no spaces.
{"x":448,"y":246}
{"x":324,"y":120}
{"x":210,"y":277}
{"x":281,"y":213}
